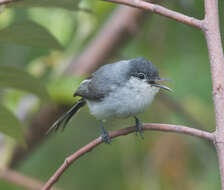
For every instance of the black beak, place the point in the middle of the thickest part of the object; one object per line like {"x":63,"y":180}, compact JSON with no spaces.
{"x":160,"y":85}
{"x":163,"y":79}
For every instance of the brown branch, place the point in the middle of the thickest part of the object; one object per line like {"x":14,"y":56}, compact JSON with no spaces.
{"x":3,"y":2}
{"x":125,"y":131}
{"x":161,"y":11}
{"x":21,"y":180}
{"x":214,"y":43}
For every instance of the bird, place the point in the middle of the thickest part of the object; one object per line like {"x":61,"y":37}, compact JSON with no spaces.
{"x":118,"y":90}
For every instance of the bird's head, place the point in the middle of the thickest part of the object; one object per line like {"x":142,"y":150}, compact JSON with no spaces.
{"x":145,"y":71}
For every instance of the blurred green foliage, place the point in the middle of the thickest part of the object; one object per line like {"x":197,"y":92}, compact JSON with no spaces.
{"x":34,"y":35}
{"x":63,"y":88}
{"x":11,"y":77}
{"x":10,"y":125}
{"x":160,"y":161}
{"x":66,"y":4}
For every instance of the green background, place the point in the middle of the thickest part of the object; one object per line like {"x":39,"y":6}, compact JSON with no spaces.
{"x":162,"y":161}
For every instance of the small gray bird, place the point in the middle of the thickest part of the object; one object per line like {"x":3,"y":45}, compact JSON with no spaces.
{"x":119,"y":90}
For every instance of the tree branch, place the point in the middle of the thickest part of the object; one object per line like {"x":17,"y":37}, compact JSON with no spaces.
{"x":161,"y":11}
{"x":21,"y":180}
{"x":214,"y":43}
{"x":3,"y":2}
{"x":125,"y":131}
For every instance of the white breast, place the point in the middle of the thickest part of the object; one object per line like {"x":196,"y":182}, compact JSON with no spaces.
{"x":129,"y":100}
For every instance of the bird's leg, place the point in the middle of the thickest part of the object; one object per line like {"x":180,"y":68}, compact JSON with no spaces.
{"x":138,"y":125}
{"x":104,"y":134}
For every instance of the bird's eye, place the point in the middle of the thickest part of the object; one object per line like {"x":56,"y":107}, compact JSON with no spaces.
{"x":141,"y":75}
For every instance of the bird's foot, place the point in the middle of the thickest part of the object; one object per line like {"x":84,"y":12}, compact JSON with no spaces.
{"x":139,"y":125}
{"x":104,"y":134}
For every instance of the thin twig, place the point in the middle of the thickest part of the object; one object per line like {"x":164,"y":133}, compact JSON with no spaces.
{"x":21,"y":180}
{"x":191,"y":21}
{"x":125,"y":131}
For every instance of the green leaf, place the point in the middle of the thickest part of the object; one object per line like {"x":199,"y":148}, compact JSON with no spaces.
{"x":11,"y":77}
{"x":65,"y":4}
{"x":62,"y":89}
{"x":29,"y":33}
{"x":10,"y":125}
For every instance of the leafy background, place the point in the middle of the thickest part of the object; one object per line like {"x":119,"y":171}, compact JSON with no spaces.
{"x":39,"y":40}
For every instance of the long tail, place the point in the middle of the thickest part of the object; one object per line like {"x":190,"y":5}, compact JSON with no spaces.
{"x":64,"y":119}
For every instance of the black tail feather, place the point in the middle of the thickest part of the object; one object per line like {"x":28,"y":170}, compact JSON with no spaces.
{"x":65,"y":118}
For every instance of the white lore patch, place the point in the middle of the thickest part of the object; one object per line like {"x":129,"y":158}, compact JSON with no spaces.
{"x":131,"y":99}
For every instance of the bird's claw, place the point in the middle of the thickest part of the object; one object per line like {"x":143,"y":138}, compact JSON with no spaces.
{"x":139,"y":125}
{"x":104,"y":135}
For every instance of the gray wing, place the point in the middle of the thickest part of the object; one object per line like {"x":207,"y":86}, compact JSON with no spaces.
{"x":87,"y":92}
{"x":103,"y":81}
